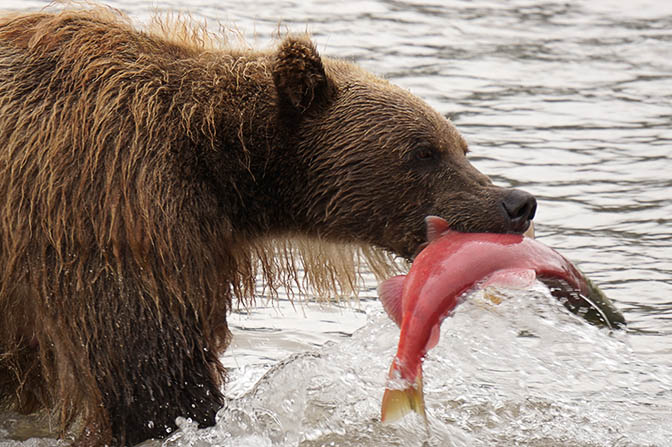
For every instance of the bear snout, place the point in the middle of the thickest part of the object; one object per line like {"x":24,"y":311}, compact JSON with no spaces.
{"x":519,"y":209}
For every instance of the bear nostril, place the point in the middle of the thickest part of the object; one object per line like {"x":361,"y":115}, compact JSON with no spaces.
{"x":520,"y":208}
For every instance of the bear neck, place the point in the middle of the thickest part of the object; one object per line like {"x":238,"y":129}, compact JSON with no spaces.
{"x":241,"y":146}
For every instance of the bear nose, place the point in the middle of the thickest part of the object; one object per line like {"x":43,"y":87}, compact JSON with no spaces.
{"x":519,"y":207}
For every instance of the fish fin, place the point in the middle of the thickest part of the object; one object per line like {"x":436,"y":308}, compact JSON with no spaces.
{"x":511,"y":279}
{"x":398,"y":403}
{"x":436,"y":226}
{"x":389,"y":292}
{"x":433,"y":337}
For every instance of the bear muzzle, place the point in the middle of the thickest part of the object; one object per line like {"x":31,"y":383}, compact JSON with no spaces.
{"x":519,"y":209}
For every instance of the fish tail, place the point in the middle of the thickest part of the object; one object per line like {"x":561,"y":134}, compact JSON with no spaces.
{"x":397,"y":403}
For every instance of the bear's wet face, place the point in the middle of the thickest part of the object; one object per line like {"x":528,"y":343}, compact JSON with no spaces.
{"x":375,"y":161}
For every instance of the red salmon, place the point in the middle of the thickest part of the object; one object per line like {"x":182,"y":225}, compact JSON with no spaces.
{"x":450,"y":265}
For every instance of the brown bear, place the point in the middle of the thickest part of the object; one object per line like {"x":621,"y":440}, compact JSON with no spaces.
{"x":146,"y":179}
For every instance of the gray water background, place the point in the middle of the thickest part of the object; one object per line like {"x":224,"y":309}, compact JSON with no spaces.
{"x":570,"y":100}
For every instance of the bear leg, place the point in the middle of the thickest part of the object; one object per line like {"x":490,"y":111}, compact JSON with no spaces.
{"x":152,"y":371}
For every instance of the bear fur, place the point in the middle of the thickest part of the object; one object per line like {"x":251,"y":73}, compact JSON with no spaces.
{"x":148,"y":177}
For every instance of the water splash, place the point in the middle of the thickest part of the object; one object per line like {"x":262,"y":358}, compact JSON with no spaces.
{"x":531,"y":374}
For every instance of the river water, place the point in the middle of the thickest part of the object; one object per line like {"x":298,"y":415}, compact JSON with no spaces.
{"x":570,"y":100}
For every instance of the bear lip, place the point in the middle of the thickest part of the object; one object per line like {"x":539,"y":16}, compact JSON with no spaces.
{"x":521,"y":229}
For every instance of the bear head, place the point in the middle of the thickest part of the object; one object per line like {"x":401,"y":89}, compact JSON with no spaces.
{"x":366,"y":161}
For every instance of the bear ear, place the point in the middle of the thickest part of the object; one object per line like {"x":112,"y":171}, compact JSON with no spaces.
{"x":299,"y":75}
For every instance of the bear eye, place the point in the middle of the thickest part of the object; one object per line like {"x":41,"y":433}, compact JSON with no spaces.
{"x":424,"y":153}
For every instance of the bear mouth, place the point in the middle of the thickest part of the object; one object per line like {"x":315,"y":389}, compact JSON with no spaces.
{"x":527,"y":231}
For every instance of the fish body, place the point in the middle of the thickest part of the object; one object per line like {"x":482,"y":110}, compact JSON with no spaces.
{"x":450,"y":265}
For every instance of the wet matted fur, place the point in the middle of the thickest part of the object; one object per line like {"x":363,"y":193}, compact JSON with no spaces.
{"x":97,"y":226}
{"x":148,"y":179}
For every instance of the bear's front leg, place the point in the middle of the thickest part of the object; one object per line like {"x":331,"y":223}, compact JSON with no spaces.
{"x":152,"y":365}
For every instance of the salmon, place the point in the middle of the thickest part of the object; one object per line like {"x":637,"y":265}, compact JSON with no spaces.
{"x":451,"y":264}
